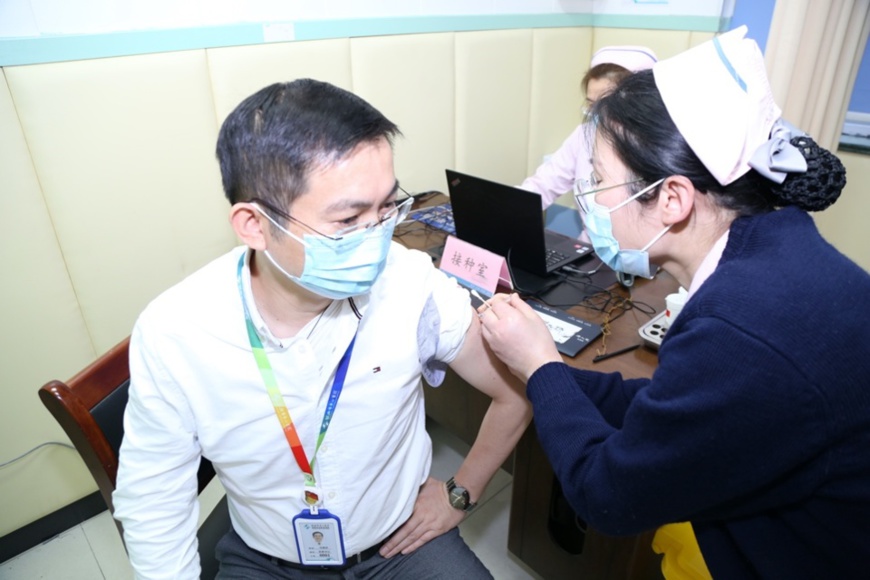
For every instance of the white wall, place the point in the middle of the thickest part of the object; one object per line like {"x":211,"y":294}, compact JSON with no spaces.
{"x":21,"y":18}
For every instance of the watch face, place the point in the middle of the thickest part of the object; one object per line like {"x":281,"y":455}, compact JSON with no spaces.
{"x":458,"y":496}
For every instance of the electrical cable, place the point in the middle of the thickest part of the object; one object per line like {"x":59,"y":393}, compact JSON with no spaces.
{"x":26,"y":453}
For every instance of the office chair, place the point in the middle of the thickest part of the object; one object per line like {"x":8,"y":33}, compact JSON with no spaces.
{"x":90,"y":408}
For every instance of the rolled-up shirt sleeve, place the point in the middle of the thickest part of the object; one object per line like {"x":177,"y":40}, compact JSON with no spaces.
{"x":444,"y":322}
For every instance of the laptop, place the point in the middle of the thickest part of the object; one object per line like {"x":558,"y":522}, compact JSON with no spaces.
{"x":509,"y":222}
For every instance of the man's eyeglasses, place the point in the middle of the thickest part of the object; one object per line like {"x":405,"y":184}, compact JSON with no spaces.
{"x":399,"y":211}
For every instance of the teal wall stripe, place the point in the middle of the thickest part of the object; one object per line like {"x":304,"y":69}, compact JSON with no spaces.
{"x":694,"y":23}
{"x":79,"y":47}
{"x":314,"y":30}
{"x":22,"y":51}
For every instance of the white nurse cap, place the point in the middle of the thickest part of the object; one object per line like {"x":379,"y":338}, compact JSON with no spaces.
{"x":719,"y":97}
{"x":633,"y":58}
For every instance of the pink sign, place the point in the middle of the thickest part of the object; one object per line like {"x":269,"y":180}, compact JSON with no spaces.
{"x":474,"y":267}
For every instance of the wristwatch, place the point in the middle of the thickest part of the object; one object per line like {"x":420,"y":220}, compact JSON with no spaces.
{"x":459,"y":497}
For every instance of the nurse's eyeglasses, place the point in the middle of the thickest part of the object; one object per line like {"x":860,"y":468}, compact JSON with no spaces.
{"x":589,"y":186}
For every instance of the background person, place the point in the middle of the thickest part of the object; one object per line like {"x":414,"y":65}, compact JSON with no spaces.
{"x":571,"y":161}
{"x":294,"y":364}
{"x":756,"y":423}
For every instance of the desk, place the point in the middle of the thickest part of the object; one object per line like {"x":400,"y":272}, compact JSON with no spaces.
{"x":536,"y":509}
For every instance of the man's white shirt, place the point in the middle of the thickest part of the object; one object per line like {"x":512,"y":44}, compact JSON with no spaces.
{"x":195,"y":388}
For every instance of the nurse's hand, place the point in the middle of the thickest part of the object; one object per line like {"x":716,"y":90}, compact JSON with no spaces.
{"x":517,"y":335}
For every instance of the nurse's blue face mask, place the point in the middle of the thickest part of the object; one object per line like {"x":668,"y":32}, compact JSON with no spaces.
{"x":599,"y":227}
{"x":345,"y":263}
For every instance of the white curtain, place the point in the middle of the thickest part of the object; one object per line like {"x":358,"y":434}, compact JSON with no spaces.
{"x":812,"y":56}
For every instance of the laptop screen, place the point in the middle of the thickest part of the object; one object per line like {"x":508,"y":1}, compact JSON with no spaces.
{"x":499,"y":218}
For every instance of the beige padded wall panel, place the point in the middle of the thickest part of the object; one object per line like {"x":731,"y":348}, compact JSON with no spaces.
{"x":124,"y":150}
{"x":696,"y":38}
{"x":240,"y":71}
{"x":844,"y":224}
{"x":493,"y":74}
{"x":44,"y":337}
{"x":409,"y":78}
{"x":665,"y":43}
{"x":560,"y":57}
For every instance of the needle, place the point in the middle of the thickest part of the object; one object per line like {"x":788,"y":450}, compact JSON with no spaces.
{"x":481,"y":298}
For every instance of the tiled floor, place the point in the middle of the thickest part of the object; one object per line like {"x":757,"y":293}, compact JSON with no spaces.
{"x":93,"y":550}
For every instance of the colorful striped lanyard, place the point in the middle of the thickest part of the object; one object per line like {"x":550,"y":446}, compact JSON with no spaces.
{"x":312,"y":496}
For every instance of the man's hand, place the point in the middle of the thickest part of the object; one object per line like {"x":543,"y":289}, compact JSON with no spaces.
{"x":433,"y":515}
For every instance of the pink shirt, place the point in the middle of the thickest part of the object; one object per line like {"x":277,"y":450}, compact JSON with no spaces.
{"x":558,"y":173}
{"x":708,"y":264}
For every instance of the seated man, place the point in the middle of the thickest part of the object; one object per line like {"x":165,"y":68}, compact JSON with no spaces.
{"x":294,"y":364}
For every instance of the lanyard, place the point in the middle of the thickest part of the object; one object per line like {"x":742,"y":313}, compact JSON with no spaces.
{"x":290,"y":433}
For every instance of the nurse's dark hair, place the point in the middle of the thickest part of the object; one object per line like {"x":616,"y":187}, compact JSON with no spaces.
{"x":269,"y":144}
{"x":633,"y":119}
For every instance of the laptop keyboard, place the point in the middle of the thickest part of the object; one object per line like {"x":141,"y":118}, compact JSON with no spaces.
{"x":436,"y":216}
{"x":554,"y":257}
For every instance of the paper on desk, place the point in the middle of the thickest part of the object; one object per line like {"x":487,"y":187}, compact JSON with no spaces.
{"x":560,"y":330}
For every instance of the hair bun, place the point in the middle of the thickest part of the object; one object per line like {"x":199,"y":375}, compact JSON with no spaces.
{"x":822,"y":183}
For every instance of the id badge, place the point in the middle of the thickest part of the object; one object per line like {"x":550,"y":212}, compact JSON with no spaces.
{"x":318,"y":538}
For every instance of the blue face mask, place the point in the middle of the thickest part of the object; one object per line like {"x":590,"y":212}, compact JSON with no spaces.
{"x":347,"y":265}
{"x":599,"y":227}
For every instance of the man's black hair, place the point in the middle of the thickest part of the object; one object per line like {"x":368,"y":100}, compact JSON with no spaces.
{"x":272,"y":140}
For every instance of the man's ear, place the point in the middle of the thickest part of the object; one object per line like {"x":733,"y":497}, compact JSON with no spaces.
{"x":249,"y":225}
{"x":676,"y":199}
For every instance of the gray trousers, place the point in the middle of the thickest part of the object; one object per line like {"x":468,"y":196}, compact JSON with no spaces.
{"x":445,"y":557}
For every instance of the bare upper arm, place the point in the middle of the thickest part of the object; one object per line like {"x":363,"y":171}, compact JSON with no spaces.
{"x":479,"y":366}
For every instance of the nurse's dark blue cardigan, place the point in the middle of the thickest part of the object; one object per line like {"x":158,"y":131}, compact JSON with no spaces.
{"x":756,"y":424}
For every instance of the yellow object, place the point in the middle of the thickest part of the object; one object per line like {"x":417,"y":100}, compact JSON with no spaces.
{"x":682,"y":555}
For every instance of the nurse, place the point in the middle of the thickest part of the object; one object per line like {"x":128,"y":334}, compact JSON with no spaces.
{"x":756,"y":424}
